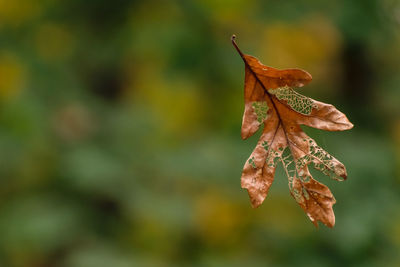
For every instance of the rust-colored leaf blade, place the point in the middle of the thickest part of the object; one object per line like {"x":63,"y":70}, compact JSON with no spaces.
{"x":253,"y":92}
{"x":259,"y":170}
{"x":274,"y":78}
{"x":271,"y":100}
{"x":316,"y":200}
{"x":325,"y":117}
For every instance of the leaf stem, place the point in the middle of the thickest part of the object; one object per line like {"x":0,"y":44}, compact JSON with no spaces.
{"x":233,"y":39}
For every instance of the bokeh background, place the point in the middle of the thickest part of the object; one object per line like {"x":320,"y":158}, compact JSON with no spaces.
{"x":120,"y":132}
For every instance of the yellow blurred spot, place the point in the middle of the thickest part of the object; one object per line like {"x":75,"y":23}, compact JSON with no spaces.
{"x":281,"y":214}
{"x":312,"y":44}
{"x":15,"y":12}
{"x":53,"y":42}
{"x":394,"y":229}
{"x":396,"y":137}
{"x":12,"y":75}
{"x":217,"y":219}
{"x":226,"y":10}
{"x":177,"y":102}
{"x":154,"y":236}
{"x":179,"y":107}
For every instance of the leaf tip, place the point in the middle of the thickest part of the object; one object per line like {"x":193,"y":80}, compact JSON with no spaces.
{"x":314,"y":221}
{"x":255,"y":203}
{"x":347,"y":124}
{"x":256,"y":199}
{"x":247,"y":131}
{"x":330,"y":223}
{"x":244,"y":135}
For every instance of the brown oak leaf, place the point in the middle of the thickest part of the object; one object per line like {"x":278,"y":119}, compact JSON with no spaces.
{"x":271,"y":100}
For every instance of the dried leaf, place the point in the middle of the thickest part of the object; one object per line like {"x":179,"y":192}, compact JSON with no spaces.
{"x":270,"y":99}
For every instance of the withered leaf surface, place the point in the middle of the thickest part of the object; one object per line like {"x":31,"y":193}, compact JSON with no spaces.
{"x":270,"y":99}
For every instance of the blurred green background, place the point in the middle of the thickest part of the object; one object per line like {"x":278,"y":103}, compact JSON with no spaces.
{"x":120,"y":132}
